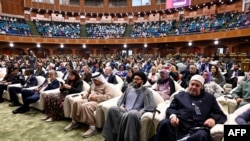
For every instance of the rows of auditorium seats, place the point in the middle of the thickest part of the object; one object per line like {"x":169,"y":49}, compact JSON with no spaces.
{"x":205,"y":23}
{"x":105,"y":30}
{"x":242,"y":20}
{"x":14,"y":26}
{"x":58,"y":29}
{"x":152,"y":29}
{"x":102,"y":108}
{"x":199,"y":24}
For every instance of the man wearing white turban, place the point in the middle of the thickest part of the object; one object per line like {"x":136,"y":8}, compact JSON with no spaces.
{"x":83,"y":110}
{"x":190,"y":115}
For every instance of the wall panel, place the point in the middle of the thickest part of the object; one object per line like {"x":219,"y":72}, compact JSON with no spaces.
{"x":15,"y":7}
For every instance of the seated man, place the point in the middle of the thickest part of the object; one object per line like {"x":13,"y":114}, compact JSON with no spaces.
{"x":12,"y":77}
{"x":32,"y":96}
{"x":232,"y":75}
{"x":191,"y":114}
{"x":242,"y":94}
{"x":86,"y":75}
{"x":187,"y":76}
{"x":29,"y":82}
{"x":109,"y":75}
{"x":123,"y":121}
{"x":39,"y":71}
{"x":83,"y":110}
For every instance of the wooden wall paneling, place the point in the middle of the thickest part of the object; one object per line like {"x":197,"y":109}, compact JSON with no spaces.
{"x":51,"y":6}
{"x":200,"y":11}
{"x":112,"y":10}
{"x":195,"y":2}
{"x":27,"y":3}
{"x":34,"y":4}
{"x":158,"y":7}
{"x":46,"y":6}
{"x":57,"y":5}
{"x":75,"y":9}
{"x":69,"y":8}
{"x":15,"y":7}
{"x":40,"y":5}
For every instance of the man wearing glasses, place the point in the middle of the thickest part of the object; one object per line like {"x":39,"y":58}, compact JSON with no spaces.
{"x":123,"y":121}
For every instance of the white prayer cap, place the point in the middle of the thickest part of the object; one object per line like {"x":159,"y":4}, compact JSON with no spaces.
{"x":98,"y":76}
{"x":198,"y":78}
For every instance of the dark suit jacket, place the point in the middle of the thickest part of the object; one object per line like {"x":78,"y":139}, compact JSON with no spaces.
{"x":62,"y":69}
{"x":52,"y":85}
{"x":76,"y":87}
{"x":183,"y":105}
{"x":229,"y":74}
{"x":112,"y":79}
{"x":203,"y":67}
{"x":30,"y":82}
{"x":97,"y":70}
{"x":39,"y":73}
{"x":14,"y":78}
{"x":87,"y":77}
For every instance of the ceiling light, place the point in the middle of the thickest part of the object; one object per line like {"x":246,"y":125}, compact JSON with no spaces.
{"x":11,"y":45}
{"x":190,"y":44}
{"x":216,"y":42}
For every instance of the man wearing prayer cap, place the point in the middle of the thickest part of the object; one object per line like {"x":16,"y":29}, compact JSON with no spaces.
{"x":191,"y":114}
{"x":83,"y":110}
{"x":123,"y":121}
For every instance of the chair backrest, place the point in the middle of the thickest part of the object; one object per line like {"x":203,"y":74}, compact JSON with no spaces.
{"x":240,"y":79}
{"x":118,"y":79}
{"x":59,"y":74}
{"x":40,"y":80}
{"x":2,"y":74}
{"x":178,"y":86}
{"x":86,"y":86}
{"x":157,"y":97}
{"x":241,"y":109}
{"x":116,"y":90}
{"x":147,"y":84}
{"x":60,"y":80}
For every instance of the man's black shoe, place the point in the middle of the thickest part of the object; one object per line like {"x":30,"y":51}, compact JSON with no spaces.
{"x":16,"y":111}
{"x":1,"y":100}
{"x":14,"y":104}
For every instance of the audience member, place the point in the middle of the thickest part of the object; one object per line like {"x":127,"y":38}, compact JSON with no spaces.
{"x":30,"y":81}
{"x":123,"y":121}
{"x":165,"y":85}
{"x":83,"y":110}
{"x":53,"y":103}
{"x":32,"y":96}
{"x":191,"y":114}
{"x":232,"y":75}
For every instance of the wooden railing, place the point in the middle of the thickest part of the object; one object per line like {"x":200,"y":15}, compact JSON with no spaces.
{"x":183,"y":38}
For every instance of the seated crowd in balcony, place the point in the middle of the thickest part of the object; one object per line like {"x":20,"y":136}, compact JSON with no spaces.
{"x":14,"y":26}
{"x":204,"y":23}
{"x":152,"y":29}
{"x":105,"y":30}
{"x":58,"y":29}
{"x":242,"y":20}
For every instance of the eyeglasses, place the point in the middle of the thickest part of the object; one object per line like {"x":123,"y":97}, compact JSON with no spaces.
{"x":135,"y":79}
